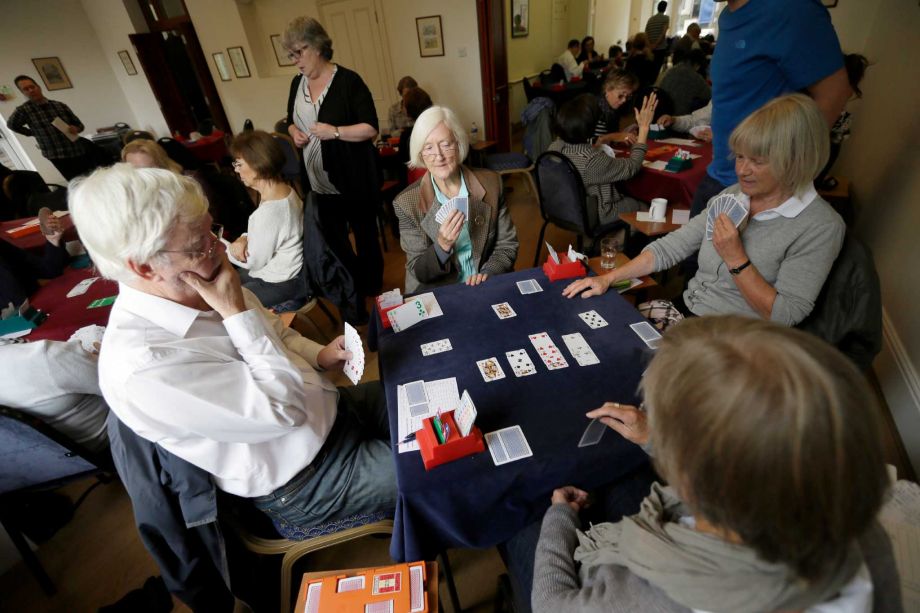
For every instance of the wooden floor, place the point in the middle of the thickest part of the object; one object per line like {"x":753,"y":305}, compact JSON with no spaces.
{"x":97,"y":557}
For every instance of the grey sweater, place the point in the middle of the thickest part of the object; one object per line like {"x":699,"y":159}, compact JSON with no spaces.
{"x":608,"y":588}
{"x":794,"y":255}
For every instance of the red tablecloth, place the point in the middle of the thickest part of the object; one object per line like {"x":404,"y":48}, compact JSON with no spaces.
{"x":677,"y":187}
{"x":67,"y":315}
{"x":210,"y":148}
{"x":34,"y":242}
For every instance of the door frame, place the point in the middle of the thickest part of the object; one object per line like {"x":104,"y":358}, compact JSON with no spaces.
{"x":493,"y":60}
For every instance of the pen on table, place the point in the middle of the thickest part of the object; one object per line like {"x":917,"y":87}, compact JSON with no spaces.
{"x":409,"y":438}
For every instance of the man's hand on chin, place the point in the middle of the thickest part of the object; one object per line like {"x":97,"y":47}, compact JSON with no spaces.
{"x":222,"y":291}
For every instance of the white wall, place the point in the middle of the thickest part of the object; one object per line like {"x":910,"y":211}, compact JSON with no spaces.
{"x":611,"y":23}
{"x":112,"y":25}
{"x":881,"y":162}
{"x":60,"y":28}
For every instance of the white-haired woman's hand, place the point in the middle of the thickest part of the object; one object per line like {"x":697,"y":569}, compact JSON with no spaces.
{"x":450,"y":230}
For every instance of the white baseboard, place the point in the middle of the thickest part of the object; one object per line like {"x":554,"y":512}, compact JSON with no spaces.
{"x":901,"y":386}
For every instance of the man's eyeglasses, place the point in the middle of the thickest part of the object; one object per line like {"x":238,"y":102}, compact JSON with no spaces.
{"x":444,"y":148}
{"x":294,"y":54}
{"x":217,"y":233}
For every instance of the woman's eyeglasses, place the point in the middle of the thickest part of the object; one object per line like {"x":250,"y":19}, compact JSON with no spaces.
{"x":444,"y":148}
{"x":217,"y":233}
{"x":294,"y":54}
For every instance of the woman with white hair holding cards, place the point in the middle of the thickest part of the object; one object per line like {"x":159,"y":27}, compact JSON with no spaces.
{"x":453,"y":222}
{"x":765,"y":244}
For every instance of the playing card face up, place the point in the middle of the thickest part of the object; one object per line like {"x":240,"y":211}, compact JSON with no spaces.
{"x":507,"y":445}
{"x":465,"y":414}
{"x":490,"y":369}
{"x":520,"y":362}
{"x":503,"y":310}
{"x":548,"y":351}
{"x":81,"y":288}
{"x":580,"y":350}
{"x":593,"y":433}
{"x":354,"y":368}
{"x":593,"y":319}
{"x":529,"y":286}
{"x":436,"y":347}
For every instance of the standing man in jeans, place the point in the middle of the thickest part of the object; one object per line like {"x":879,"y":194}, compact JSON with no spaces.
{"x":34,"y":117}
{"x":657,"y":31}
{"x":768,"y":48}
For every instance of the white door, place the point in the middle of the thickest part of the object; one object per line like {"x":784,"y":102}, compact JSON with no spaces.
{"x":358,"y":43}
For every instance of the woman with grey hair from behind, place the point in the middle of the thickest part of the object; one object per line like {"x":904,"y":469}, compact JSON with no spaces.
{"x":332,"y":117}
{"x":765,"y":244}
{"x":770,"y":442}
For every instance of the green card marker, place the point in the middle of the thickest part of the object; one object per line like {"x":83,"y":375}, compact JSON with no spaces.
{"x":101,"y":302}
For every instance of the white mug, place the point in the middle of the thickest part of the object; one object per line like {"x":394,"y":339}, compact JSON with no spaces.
{"x":659,"y":207}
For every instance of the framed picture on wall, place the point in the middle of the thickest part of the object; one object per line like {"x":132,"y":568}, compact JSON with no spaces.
{"x":281,"y":54}
{"x":520,"y":18}
{"x":126,"y":61}
{"x":223,"y":69}
{"x":430,"y":36}
{"x":52,"y":72}
{"x":238,"y":61}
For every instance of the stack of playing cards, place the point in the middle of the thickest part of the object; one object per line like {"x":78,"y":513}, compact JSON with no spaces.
{"x":462,"y":204}
{"x":354,"y":368}
{"x":507,"y":445}
{"x":390,"y":299}
{"x":736,"y":207}
{"x":529,"y":286}
{"x":649,"y":335}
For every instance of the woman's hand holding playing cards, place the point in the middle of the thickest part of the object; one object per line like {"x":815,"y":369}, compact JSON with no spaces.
{"x":727,"y":242}
{"x":450,"y":230}
{"x":572,"y":496}
{"x":629,"y":421}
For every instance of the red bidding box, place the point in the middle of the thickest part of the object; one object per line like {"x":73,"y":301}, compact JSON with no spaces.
{"x":435,"y":453}
{"x":384,"y":320}
{"x":565,"y":269}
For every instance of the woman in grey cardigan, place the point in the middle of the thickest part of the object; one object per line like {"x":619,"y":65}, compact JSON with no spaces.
{"x":775,"y":483}
{"x":448,"y":247}
{"x":774,"y":265}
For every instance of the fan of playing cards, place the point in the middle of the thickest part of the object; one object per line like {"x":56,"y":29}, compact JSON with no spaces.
{"x":460,"y":203}
{"x":736,"y":207}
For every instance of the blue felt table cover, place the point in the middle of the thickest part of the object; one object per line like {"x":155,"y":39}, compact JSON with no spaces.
{"x":471,"y":502}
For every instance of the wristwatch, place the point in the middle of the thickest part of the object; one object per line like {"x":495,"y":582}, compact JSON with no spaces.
{"x":736,"y":271}
{"x":337,"y":135}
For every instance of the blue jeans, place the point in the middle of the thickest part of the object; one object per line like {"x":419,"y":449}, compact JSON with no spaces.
{"x":270,"y":294}
{"x":354,"y":472}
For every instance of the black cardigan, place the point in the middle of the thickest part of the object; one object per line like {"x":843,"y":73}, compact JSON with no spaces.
{"x":352,"y":167}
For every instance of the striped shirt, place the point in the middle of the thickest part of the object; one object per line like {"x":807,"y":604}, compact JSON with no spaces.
{"x":656,"y":26}
{"x":34,"y":119}
{"x":306,"y":112}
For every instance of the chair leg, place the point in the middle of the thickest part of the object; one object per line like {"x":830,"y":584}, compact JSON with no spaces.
{"x":536,"y":256}
{"x":325,"y":309}
{"x":29,"y":557}
{"x":532,"y":184}
{"x":449,"y":578}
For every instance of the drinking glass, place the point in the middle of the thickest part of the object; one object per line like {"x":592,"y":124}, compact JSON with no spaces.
{"x":609,"y":248}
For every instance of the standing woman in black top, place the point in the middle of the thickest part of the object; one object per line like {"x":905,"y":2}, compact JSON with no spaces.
{"x":331,"y":115}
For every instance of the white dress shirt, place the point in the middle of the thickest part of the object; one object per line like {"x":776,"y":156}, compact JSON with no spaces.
{"x":791,"y":208}
{"x":570,"y":65}
{"x":240,"y":398}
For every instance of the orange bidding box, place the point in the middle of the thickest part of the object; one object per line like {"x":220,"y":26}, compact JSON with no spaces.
{"x":435,"y":453}
{"x":392,"y":589}
{"x":384,"y":320}
{"x":565,"y":269}
{"x":24,"y":230}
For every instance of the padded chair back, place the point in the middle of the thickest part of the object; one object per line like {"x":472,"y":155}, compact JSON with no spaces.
{"x":18,"y":187}
{"x":562,"y":192}
{"x":291,"y":170}
{"x":178,"y":153}
{"x":557,"y":73}
{"x":415,"y":174}
{"x":528,"y":89}
{"x":848,"y":311}
{"x":229,"y":202}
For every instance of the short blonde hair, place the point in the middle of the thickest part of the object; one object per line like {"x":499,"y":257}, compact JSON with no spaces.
{"x":425,"y":125}
{"x":124,"y":213}
{"x":791,"y":133}
{"x":770,"y":432}
{"x":152,"y":149}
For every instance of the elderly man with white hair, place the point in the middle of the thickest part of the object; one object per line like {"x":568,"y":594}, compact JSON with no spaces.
{"x":191,"y":361}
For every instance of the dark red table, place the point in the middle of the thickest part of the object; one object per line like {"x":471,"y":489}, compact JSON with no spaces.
{"x":67,"y":315}
{"x":677,"y":187}
{"x":34,"y":242}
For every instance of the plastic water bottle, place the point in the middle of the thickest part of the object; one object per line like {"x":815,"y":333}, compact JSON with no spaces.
{"x":474,"y":133}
